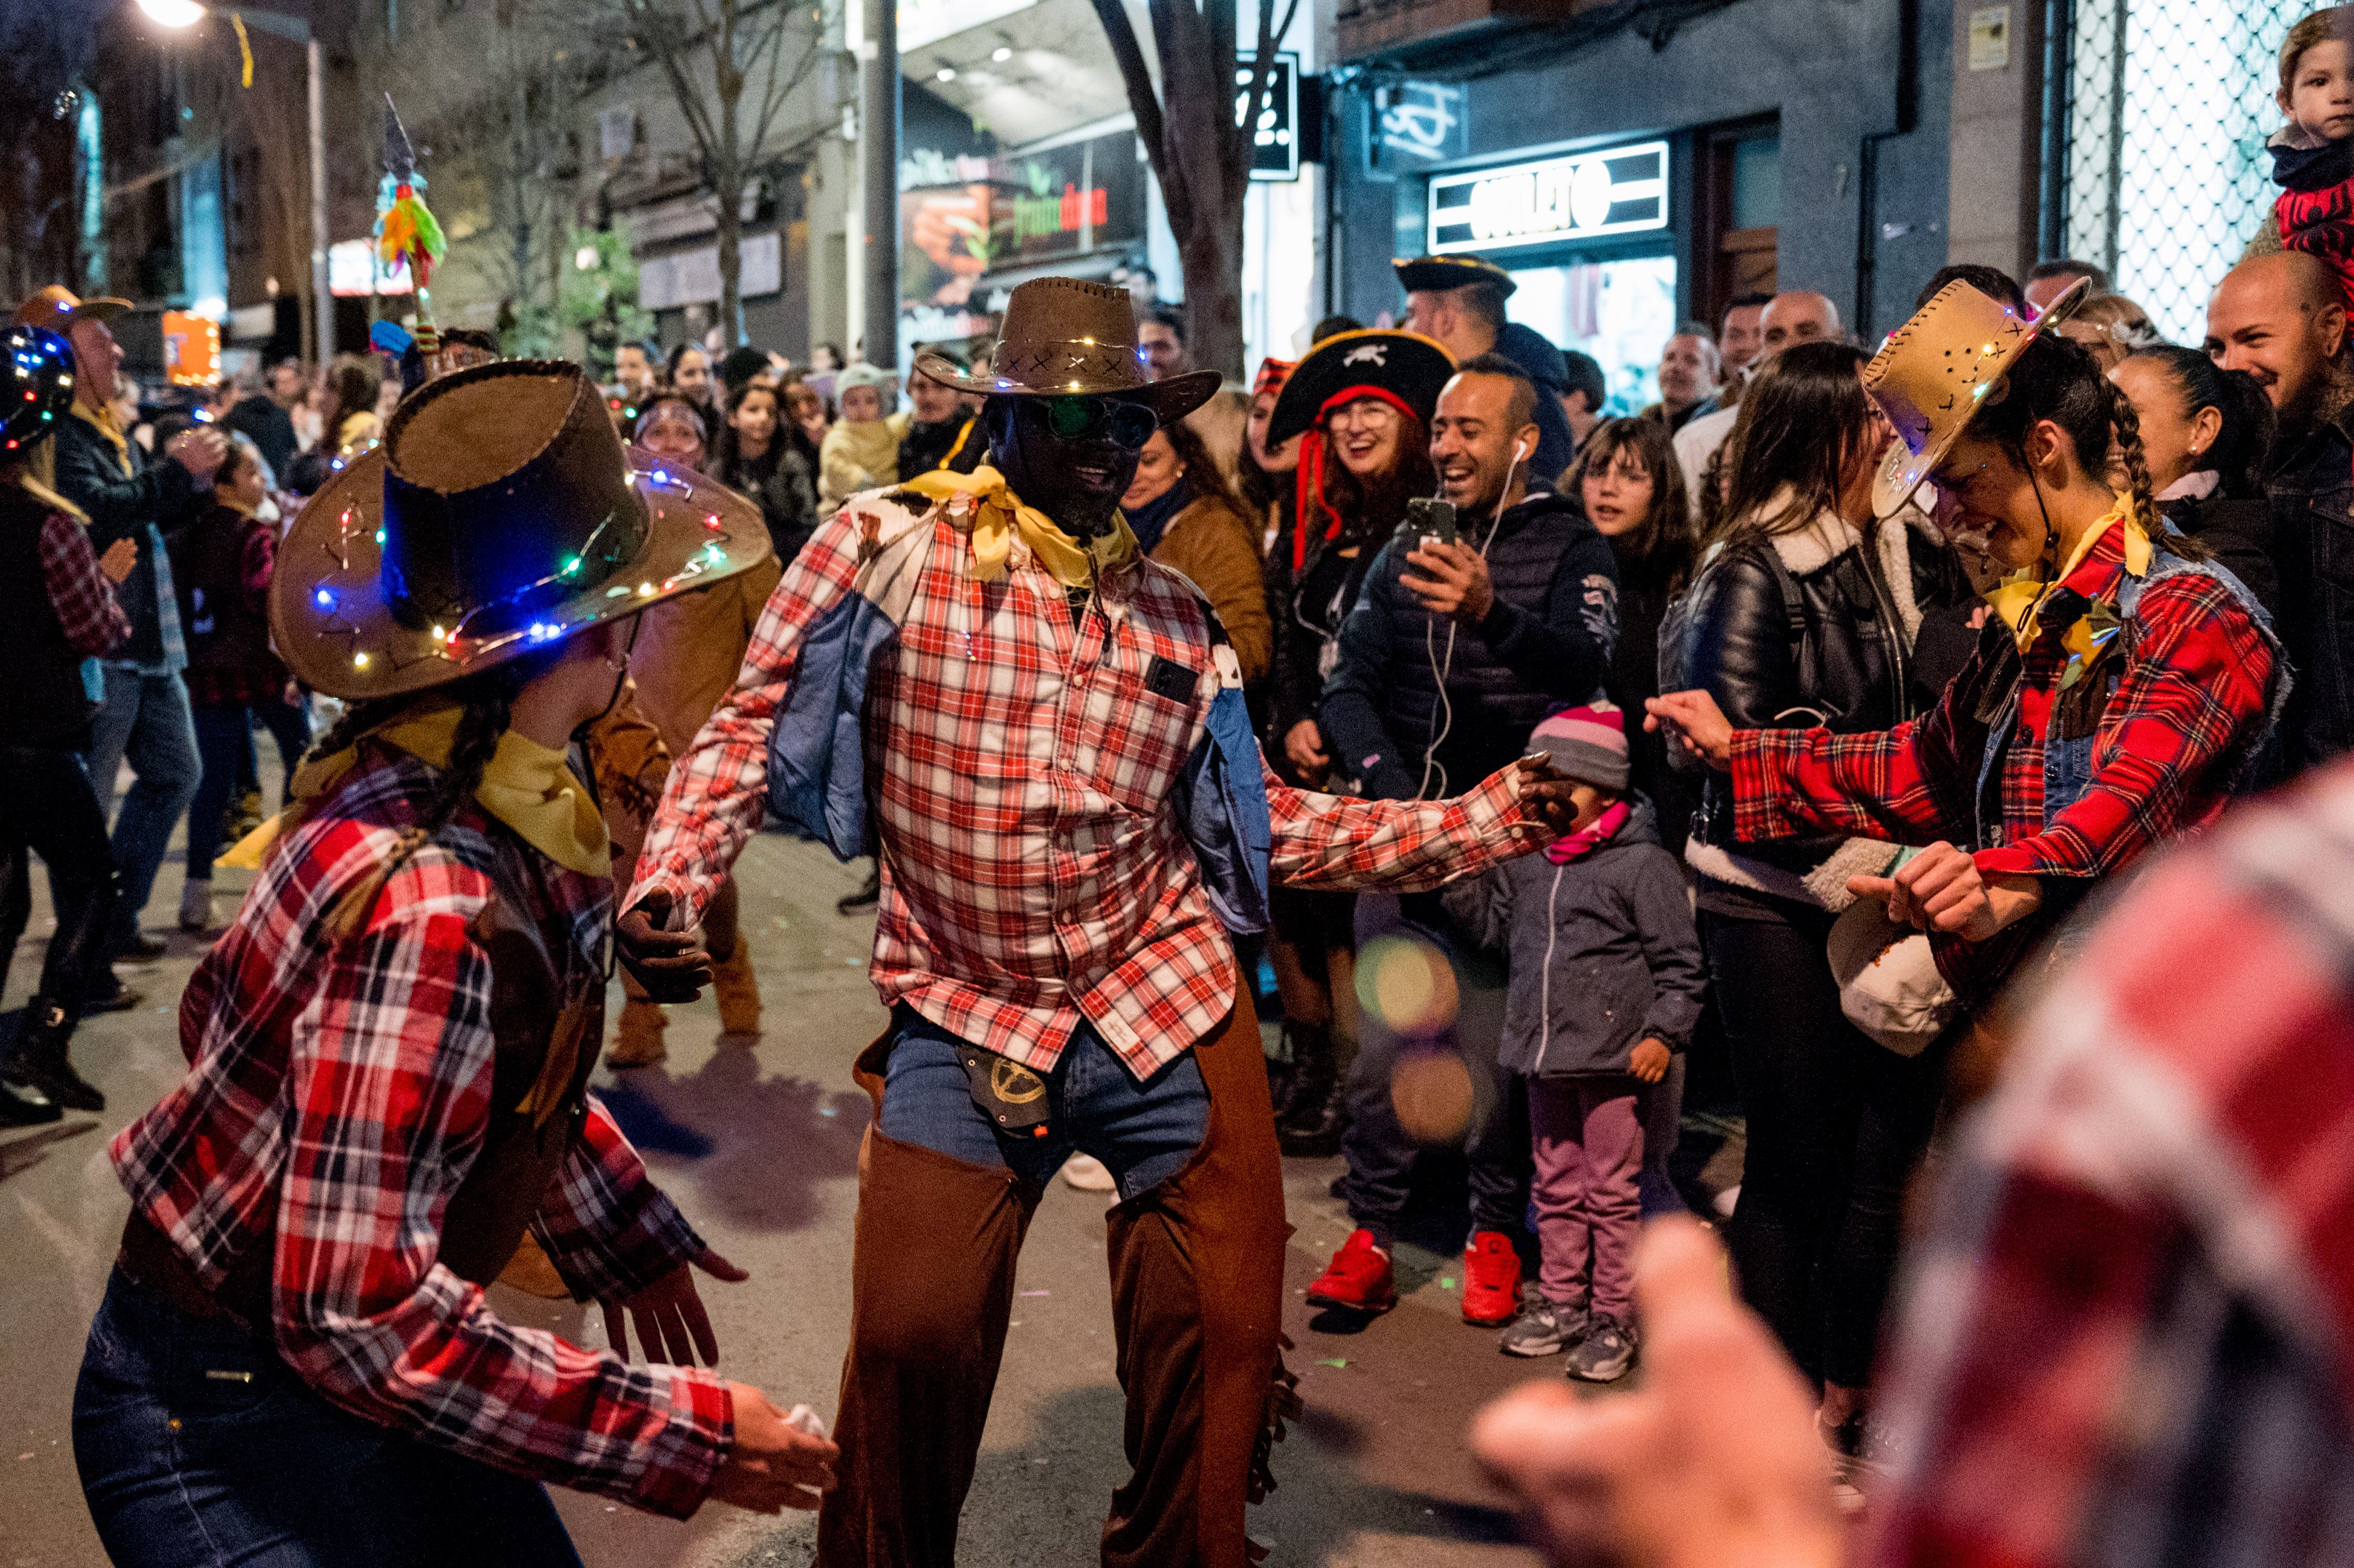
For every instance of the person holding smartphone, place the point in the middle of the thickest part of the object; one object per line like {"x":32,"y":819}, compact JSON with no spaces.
{"x":1456,"y":648}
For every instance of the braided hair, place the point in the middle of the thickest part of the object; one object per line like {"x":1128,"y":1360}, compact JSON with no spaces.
{"x":2060,"y":380}
{"x":2244,"y":444}
{"x":486,"y":705}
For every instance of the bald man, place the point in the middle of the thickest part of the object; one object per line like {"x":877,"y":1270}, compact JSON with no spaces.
{"x":1799,"y":315}
{"x":2282,"y":319}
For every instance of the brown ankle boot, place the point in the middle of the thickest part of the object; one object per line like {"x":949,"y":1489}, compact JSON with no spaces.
{"x":738,"y":990}
{"x":638,"y":1042}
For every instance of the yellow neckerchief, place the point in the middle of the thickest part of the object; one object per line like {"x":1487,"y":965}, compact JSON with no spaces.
{"x":526,"y":786}
{"x":102,"y":421}
{"x":1000,"y":515}
{"x":2018,"y":599}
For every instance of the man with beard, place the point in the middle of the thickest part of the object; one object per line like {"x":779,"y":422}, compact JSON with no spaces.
{"x":1050,"y":714}
{"x":2282,"y":319}
{"x":1455,"y":652}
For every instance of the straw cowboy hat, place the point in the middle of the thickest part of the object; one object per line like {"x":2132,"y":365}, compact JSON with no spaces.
{"x":57,"y":309}
{"x":1937,"y":370}
{"x":1065,"y":338}
{"x":500,"y":515}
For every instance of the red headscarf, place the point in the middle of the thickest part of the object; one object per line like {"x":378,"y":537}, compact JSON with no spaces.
{"x":1308,"y":480}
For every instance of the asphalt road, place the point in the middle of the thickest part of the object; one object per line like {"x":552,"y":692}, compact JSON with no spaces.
{"x":758,"y":1141}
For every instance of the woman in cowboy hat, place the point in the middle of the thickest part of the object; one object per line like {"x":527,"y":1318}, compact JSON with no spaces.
{"x":389,"y":1051}
{"x":2120,"y":687}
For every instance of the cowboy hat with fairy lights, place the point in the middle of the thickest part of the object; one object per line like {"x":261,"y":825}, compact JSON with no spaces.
{"x":1937,"y":370}
{"x":1403,"y":369}
{"x":500,"y":515}
{"x":1067,"y":338}
{"x":36,"y":382}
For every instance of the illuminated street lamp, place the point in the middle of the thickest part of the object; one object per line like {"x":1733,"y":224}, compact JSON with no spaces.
{"x":180,"y":13}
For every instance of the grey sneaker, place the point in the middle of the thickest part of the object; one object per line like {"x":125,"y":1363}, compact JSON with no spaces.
{"x":1607,"y":1352}
{"x":1543,"y":1329}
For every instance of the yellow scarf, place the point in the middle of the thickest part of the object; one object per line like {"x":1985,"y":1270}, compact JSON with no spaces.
{"x":526,"y":786}
{"x":2018,"y":599}
{"x":999,"y":514}
{"x":102,"y":421}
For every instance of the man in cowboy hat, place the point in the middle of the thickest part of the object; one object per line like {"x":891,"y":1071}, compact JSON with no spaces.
{"x":389,"y":1053}
{"x":1459,"y":301}
{"x":129,"y":495}
{"x":1063,"y":803}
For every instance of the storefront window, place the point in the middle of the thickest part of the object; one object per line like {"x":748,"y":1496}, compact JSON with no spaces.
{"x":2163,"y":178}
{"x":1621,"y":313}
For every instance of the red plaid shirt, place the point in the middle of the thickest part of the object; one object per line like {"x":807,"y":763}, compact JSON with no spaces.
{"x":2129,"y":1334}
{"x":336,"y":1097}
{"x":1034,"y":875}
{"x":93,"y":622}
{"x":2188,"y":708}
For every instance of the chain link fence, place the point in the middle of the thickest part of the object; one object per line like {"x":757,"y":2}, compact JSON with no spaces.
{"x":2161,"y":172}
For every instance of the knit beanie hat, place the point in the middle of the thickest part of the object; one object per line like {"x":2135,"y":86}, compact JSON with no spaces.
{"x":1587,"y":743}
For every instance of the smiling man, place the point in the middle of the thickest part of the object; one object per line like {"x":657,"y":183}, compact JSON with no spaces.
{"x":1051,"y":718}
{"x":2282,"y":319}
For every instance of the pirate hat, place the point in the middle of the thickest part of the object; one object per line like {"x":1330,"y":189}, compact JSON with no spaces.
{"x":37,"y":380}
{"x":57,"y":309}
{"x":1401,"y":367}
{"x":1439,"y":273}
{"x":1937,"y":370}
{"x":500,"y":515}
{"x":1066,"y":338}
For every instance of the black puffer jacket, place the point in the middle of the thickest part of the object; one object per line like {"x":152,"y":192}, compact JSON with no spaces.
{"x":1811,"y":629}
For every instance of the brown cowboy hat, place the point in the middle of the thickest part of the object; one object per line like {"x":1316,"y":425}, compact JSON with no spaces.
{"x":500,"y":515}
{"x":57,"y":309}
{"x":1066,"y":338}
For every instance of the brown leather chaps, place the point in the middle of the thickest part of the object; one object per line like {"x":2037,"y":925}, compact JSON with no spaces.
{"x":1197,"y":1296}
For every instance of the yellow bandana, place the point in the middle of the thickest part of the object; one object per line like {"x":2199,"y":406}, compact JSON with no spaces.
{"x":102,"y":421}
{"x":2018,"y":599}
{"x":999,"y":514}
{"x":526,"y":786}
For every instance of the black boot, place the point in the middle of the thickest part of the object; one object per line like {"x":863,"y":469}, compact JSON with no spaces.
{"x":39,"y":1058}
{"x":23,"y":1108}
{"x":1309,"y":1126}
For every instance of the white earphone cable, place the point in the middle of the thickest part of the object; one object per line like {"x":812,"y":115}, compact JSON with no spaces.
{"x":1444,"y":711}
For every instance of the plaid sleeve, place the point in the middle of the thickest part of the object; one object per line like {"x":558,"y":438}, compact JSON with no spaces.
{"x":388,"y":1084}
{"x":255,"y":564}
{"x":606,"y":1227}
{"x":93,"y":622}
{"x":713,"y":799}
{"x":2193,"y":693}
{"x":1334,"y":843}
{"x":1906,"y":785}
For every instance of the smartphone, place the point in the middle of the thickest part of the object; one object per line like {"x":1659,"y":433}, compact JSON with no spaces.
{"x":1428,"y":520}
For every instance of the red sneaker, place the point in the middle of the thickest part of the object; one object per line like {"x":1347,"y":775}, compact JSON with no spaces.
{"x":1358,"y":1278}
{"x":1491,"y":1279}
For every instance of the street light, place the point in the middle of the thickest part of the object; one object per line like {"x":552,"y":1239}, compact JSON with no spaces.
{"x":181,"y":14}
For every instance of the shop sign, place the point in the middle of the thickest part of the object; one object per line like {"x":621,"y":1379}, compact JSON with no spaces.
{"x":1620,"y":190}
{"x":1419,"y":122}
{"x":1028,"y":207}
{"x":352,"y":269}
{"x":692,"y":277}
{"x":1275,"y":143}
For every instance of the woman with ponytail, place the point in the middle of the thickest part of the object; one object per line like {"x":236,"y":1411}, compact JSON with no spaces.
{"x":2121,"y":685}
{"x":2207,"y":433}
{"x":389,"y":1051}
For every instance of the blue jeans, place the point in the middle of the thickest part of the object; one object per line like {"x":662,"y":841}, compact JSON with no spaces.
{"x":1144,"y":1132}
{"x":197,"y":1446}
{"x":225,"y":745}
{"x":146,"y":719}
{"x":288,"y":725}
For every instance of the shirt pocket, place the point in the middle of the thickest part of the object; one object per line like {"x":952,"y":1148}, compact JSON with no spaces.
{"x":1140,"y":710}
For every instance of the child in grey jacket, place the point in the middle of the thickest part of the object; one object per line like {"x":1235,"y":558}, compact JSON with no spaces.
{"x":1605,"y":986}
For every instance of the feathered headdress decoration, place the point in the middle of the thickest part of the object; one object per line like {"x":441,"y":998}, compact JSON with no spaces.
{"x":406,"y":230}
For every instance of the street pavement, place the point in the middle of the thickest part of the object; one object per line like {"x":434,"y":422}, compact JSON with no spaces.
{"x":759,"y":1143}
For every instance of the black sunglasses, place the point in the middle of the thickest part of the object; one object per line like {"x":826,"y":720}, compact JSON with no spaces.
{"x":1129,"y":424}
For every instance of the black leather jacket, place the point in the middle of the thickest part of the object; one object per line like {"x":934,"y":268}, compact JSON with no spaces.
{"x":2312,"y":494}
{"x":1819,"y":645}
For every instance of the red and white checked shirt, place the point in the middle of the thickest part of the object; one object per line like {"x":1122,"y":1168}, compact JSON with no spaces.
{"x":1034,"y":874}
{"x":87,"y":611}
{"x":2128,"y":1337}
{"x":336,"y":1096}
